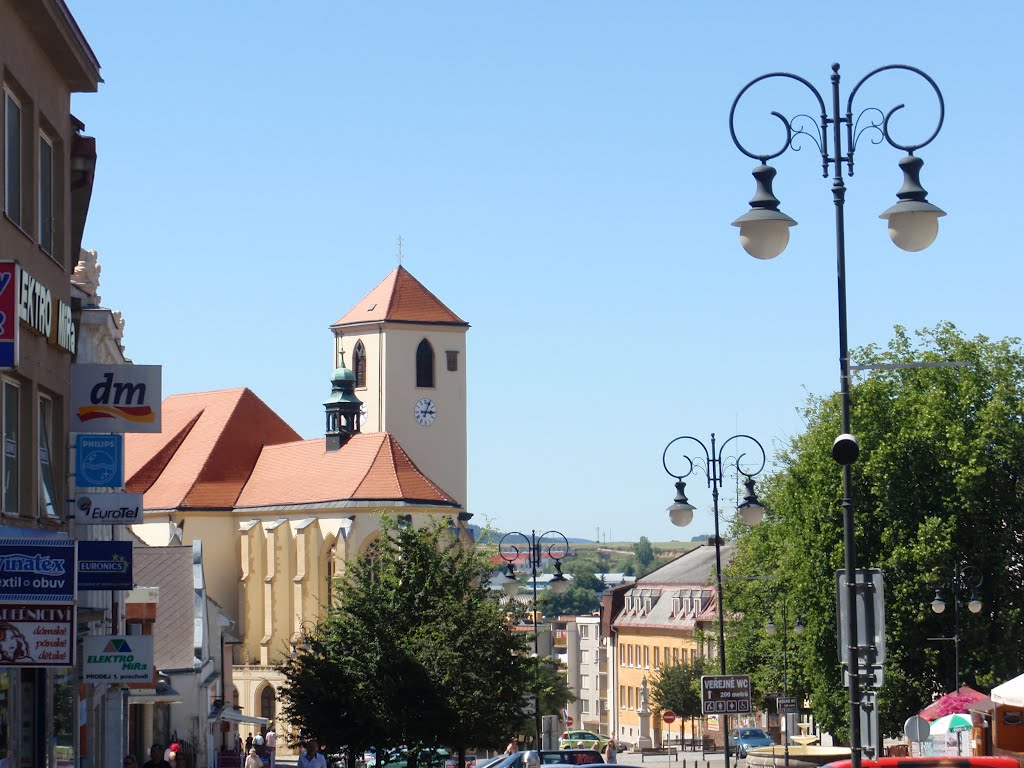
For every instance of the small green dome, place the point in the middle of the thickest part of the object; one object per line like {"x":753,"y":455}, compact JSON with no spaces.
{"x":342,"y":374}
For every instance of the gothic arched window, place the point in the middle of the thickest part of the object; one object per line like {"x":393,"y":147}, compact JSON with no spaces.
{"x":268,"y":700}
{"x":359,"y":364}
{"x":424,"y":364}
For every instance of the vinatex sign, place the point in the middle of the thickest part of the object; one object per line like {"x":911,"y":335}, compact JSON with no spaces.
{"x":37,"y":571}
{"x":115,"y":398}
{"x":117,"y":658}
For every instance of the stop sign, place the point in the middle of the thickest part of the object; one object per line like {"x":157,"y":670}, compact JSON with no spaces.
{"x":668,"y":716}
{"x":569,"y":721}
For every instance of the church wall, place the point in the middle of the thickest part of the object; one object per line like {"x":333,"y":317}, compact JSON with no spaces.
{"x":219,"y":534}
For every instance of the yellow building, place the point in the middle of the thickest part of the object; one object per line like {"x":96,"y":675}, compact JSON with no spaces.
{"x":280,"y":516}
{"x":658,"y":620}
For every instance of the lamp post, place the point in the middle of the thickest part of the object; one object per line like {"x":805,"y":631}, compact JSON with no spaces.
{"x":913,"y":225}
{"x":516,"y":546}
{"x":964,"y":577}
{"x":681,"y":511}
{"x":798,"y":628}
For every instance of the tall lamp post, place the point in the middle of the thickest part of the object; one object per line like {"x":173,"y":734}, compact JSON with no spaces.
{"x":712,"y":463}
{"x":771,"y":629}
{"x":913,"y":226}
{"x":516,"y":547}
{"x":964,"y":578}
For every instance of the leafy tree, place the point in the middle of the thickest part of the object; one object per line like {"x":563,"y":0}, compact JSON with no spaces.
{"x":676,"y":687}
{"x":937,"y":486}
{"x":575,"y":601}
{"x":416,"y":652}
{"x":644,"y":552}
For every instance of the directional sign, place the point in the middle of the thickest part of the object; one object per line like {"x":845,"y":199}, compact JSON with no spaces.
{"x":786,"y":706}
{"x":668,"y":716}
{"x":725,"y":694}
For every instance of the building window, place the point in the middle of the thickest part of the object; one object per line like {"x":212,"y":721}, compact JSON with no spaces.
{"x":629,"y":697}
{"x":630,"y":655}
{"x":586,"y":707}
{"x":47,"y":225}
{"x":12,"y":440}
{"x":268,"y":699}
{"x":452,"y":356}
{"x":647,"y":659}
{"x":584,"y":657}
{"x":359,"y":364}
{"x":675,"y":656}
{"x":424,"y":364}
{"x":584,"y":681}
{"x":584,"y":630}
{"x":657,"y":657}
{"x":47,"y":486}
{"x":12,"y":158}
{"x":622,"y":695}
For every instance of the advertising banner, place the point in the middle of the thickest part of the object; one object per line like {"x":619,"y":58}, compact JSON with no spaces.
{"x":104,"y":565}
{"x":8,"y":314}
{"x":115,"y":398}
{"x":37,"y":571}
{"x":108,"y":508}
{"x":99,"y":461}
{"x":117,"y":658}
{"x":37,"y":635}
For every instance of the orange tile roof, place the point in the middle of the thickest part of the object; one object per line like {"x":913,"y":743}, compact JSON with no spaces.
{"x":400,"y":297}
{"x":369,"y":467}
{"x":206,"y":451}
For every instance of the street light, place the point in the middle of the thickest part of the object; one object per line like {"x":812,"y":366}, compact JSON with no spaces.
{"x":798,"y":628}
{"x":532,"y":552}
{"x":680,"y":512}
{"x":964,"y":578}
{"x":913,"y":225}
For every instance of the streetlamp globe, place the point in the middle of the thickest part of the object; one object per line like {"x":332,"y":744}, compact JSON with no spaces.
{"x":913,"y":221}
{"x":511,"y":585}
{"x":751,"y":511}
{"x":974,"y":605}
{"x":559,"y":583}
{"x":938,"y":604}
{"x":800,"y":626}
{"x":769,"y":626}
{"x":764,"y":229}
{"x":680,"y":511}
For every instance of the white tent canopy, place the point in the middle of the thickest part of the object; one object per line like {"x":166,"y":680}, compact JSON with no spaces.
{"x":1011,"y":692}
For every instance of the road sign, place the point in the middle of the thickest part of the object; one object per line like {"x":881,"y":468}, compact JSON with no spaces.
{"x":725,"y":694}
{"x":569,"y":721}
{"x":870,"y":638}
{"x":916,"y":728}
{"x":787,"y":705}
{"x":668,"y":716}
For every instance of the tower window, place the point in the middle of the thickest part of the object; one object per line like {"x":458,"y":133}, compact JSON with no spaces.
{"x":359,"y":364}
{"x":424,"y":364}
{"x":453,"y":359}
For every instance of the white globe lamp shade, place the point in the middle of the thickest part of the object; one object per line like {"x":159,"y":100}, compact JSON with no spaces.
{"x":681,"y":514}
{"x":766,"y":238}
{"x":914,"y":231}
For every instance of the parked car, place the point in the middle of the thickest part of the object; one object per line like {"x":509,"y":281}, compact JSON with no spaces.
{"x":582,"y":740}
{"x":553,"y":757}
{"x":931,"y":762}
{"x":744,"y":739}
{"x":452,"y":761}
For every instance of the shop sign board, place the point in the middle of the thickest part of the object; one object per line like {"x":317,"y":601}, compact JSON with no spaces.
{"x":99,"y":461}
{"x":37,"y":571}
{"x":725,"y":694}
{"x":108,"y":508}
{"x":37,"y":635}
{"x":104,"y":565}
{"x":8,"y":314}
{"x":786,"y":704}
{"x":117,"y":658}
{"x":115,"y":398}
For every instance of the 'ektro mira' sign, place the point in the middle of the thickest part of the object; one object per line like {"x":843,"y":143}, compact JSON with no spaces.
{"x":115,"y":398}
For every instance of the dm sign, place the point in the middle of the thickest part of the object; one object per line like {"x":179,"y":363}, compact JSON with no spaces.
{"x":99,"y":461}
{"x":37,"y":571}
{"x":115,"y":398}
{"x":118,"y":658}
{"x":104,"y":565}
{"x":37,"y":635}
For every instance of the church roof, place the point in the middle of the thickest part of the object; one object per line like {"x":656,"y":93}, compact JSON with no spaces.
{"x":402,"y":298}
{"x":207,"y":448}
{"x":369,"y":467}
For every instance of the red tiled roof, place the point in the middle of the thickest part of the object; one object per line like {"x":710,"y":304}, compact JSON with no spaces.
{"x":400,"y":297}
{"x":206,"y":451}
{"x":369,"y":467}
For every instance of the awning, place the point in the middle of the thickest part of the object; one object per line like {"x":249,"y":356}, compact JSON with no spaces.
{"x":1011,"y":692}
{"x":234,"y":716}
{"x":162,"y":694}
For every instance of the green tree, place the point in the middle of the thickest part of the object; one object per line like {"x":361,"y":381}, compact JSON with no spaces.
{"x":643,"y":552}
{"x":575,"y":601}
{"x":416,"y":651}
{"x":676,"y":687}
{"x":937,"y":486}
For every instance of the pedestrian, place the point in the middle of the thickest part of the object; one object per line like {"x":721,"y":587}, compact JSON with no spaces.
{"x":271,"y":741}
{"x":512,"y":748}
{"x":253,"y":760}
{"x":129,"y":762}
{"x":257,"y":744}
{"x":312,"y":758}
{"x":248,"y":743}
{"x":610,"y":753}
{"x":156,"y":758}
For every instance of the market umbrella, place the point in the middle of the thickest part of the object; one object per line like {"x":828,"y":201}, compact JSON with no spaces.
{"x":950,"y":724}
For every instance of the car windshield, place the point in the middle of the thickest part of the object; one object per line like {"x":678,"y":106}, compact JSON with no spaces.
{"x":753,"y":733}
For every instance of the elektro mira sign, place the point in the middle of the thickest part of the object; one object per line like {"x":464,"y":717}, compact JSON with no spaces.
{"x":115,"y":398}
{"x":35,"y":308}
{"x":117,"y":658}
{"x":108,"y":508}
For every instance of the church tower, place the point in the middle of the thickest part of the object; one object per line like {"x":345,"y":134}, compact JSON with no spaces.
{"x":408,"y":356}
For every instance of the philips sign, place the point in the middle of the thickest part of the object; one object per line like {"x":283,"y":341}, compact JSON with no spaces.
{"x":108,"y":508}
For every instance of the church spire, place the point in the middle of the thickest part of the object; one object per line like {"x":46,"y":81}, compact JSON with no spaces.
{"x":342,"y":408}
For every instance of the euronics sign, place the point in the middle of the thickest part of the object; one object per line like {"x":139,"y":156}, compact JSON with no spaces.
{"x":117,"y":658}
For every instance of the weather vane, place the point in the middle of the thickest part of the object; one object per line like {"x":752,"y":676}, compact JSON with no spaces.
{"x":399,"y":250}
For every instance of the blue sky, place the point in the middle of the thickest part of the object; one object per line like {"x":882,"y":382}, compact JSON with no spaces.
{"x":563,"y":178}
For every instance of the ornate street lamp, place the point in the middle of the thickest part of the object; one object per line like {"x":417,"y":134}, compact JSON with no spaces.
{"x":913,"y":225}
{"x":965,"y":578}
{"x":680,"y":512}
{"x":516,"y":547}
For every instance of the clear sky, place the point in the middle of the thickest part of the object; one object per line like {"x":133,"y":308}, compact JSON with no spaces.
{"x":563,"y":178}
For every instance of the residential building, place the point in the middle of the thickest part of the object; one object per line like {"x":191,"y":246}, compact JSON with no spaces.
{"x":46,"y":167}
{"x":592,"y":702}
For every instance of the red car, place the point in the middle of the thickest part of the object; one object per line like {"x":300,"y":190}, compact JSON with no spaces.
{"x":931,"y":762}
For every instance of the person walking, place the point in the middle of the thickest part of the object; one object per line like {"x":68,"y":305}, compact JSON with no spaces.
{"x":156,"y":758}
{"x":248,"y":743}
{"x":610,"y":752}
{"x":312,"y":758}
{"x":253,"y":760}
{"x":270,"y":740}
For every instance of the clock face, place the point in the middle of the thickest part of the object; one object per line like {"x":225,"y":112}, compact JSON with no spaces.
{"x":425,"y":411}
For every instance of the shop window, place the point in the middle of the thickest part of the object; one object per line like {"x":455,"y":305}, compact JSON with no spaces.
{"x":12,"y":446}
{"x":47,"y":224}
{"x":359,"y":364}
{"x":424,"y":364}
{"x":12,"y":157}
{"x":47,"y":486}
